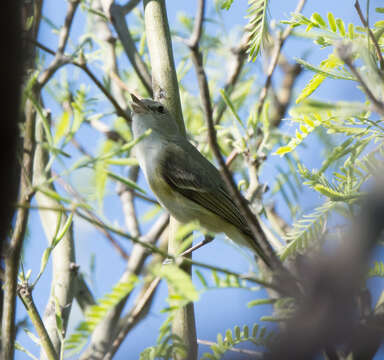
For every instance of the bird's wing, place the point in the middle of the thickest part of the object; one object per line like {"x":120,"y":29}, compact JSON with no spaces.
{"x":193,"y":176}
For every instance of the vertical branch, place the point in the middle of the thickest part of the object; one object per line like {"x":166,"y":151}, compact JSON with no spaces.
{"x":13,"y":248}
{"x":63,"y":256}
{"x":12,"y":256}
{"x":164,"y":80}
{"x":166,"y":89}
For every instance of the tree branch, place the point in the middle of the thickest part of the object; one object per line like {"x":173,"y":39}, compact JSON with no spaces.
{"x":60,"y":59}
{"x":26,"y":298}
{"x":345,"y":55}
{"x":166,"y":90}
{"x":129,"y":6}
{"x":370,"y":34}
{"x":63,"y":255}
{"x":164,"y":80}
{"x":22,"y":60}
{"x":13,"y":251}
{"x":116,"y":15}
{"x":275,"y":57}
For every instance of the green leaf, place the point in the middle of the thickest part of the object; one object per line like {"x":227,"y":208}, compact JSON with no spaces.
{"x":377,"y":270}
{"x":123,"y":162}
{"x":201,"y":278}
{"x":260,"y":302}
{"x":178,"y":279}
{"x":62,"y":126}
{"x":332,"y":22}
{"x":126,"y":181}
{"x":326,"y":73}
{"x":341,"y":27}
{"x":330,"y":63}
{"x":21,"y":348}
{"x":231,"y":107}
{"x":316,"y":17}
{"x":101,"y":171}
{"x":226,"y":4}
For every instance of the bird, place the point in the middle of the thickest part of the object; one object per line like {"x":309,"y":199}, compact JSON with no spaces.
{"x":184,"y":182}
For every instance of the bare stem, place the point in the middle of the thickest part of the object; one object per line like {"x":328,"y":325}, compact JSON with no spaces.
{"x":13,"y":252}
{"x":378,"y":105}
{"x":370,"y":34}
{"x":46,"y":343}
{"x":166,"y":90}
{"x":118,"y":20}
{"x":275,"y":57}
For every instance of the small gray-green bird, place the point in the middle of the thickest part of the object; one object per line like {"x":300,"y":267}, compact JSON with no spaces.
{"x":183,"y":180}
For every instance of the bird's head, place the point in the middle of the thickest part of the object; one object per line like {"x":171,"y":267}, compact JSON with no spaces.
{"x":150,"y":114}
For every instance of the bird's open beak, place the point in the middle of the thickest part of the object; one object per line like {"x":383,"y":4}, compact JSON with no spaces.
{"x":137,"y":105}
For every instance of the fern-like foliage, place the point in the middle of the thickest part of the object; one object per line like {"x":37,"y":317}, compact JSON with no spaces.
{"x":326,"y":66}
{"x":258,"y":336}
{"x":307,"y":231}
{"x":257,"y":26}
{"x":222,"y":282}
{"x":95,"y":314}
{"x":377,"y":270}
{"x":306,"y":127}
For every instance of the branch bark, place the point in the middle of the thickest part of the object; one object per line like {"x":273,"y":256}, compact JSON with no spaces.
{"x":12,"y":251}
{"x":63,"y":255}
{"x":166,"y":90}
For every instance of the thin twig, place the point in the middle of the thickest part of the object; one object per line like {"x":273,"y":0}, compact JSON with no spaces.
{"x":198,"y":25}
{"x":129,"y":6}
{"x":117,"y":17}
{"x":60,"y":59}
{"x":239,"y":54}
{"x":91,"y":214}
{"x":274,"y":60}
{"x":82,"y":65}
{"x":64,"y":32}
{"x":345,"y":55}
{"x":371,"y":34}
{"x":45,"y":341}
{"x":106,"y":130}
{"x":124,"y":114}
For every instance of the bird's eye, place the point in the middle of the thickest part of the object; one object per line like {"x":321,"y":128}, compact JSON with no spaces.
{"x":160,"y":109}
